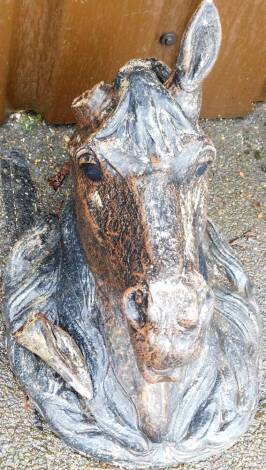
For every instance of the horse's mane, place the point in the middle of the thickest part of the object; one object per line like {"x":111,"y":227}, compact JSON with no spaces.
{"x":219,"y":391}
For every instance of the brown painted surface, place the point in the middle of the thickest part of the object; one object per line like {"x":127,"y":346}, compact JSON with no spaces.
{"x":52,"y":50}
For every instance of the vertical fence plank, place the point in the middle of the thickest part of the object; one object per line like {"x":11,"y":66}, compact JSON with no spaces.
{"x":33,"y":52}
{"x":239,"y":77}
{"x":6,"y":23}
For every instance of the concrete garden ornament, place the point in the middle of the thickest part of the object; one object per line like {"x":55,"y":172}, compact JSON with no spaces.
{"x":120,"y":330}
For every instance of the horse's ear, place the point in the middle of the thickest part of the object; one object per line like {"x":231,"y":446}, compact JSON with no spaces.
{"x":199,"y":48}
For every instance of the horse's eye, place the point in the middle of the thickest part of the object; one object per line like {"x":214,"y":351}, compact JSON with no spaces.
{"x":92,"y":171}
{"x":201,"y":168}
{"x":89,"y":165}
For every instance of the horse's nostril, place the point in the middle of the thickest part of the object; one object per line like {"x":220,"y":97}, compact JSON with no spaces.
{"x":136,"y":303}
{"x":138,"y":296}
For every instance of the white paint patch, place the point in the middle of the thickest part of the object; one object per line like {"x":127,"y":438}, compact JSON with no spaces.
{"x":96,"y":199}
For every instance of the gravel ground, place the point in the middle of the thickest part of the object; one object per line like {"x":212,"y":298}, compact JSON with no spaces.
{"x":237,"y":205}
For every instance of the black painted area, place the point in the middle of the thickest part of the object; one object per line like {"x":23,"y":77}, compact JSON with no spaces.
{"x":18,"y":194}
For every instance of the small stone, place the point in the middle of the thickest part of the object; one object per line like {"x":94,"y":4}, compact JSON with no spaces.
{"x":257,"y":154}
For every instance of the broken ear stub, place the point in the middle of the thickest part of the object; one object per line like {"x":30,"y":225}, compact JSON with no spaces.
{"x":93,"y":106}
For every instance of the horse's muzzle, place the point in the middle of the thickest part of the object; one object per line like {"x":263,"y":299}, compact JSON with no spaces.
{"x":168,"y":321}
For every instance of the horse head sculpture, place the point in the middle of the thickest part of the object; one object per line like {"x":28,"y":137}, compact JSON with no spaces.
{"x":117,"y":329}
{"x":140,"y":166}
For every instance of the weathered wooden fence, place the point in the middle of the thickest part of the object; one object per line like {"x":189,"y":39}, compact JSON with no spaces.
{"x":52,"y":50}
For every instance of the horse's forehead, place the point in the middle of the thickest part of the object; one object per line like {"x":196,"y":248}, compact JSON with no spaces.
{"x":148,"y":131}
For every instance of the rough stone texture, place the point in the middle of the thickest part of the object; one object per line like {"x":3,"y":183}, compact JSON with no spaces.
{"x":237,"y":205}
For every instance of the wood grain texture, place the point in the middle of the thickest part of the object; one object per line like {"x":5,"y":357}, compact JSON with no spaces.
{"x":6,"y":21}
{"x":54,"y":50}
{"x":239,"y":76}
